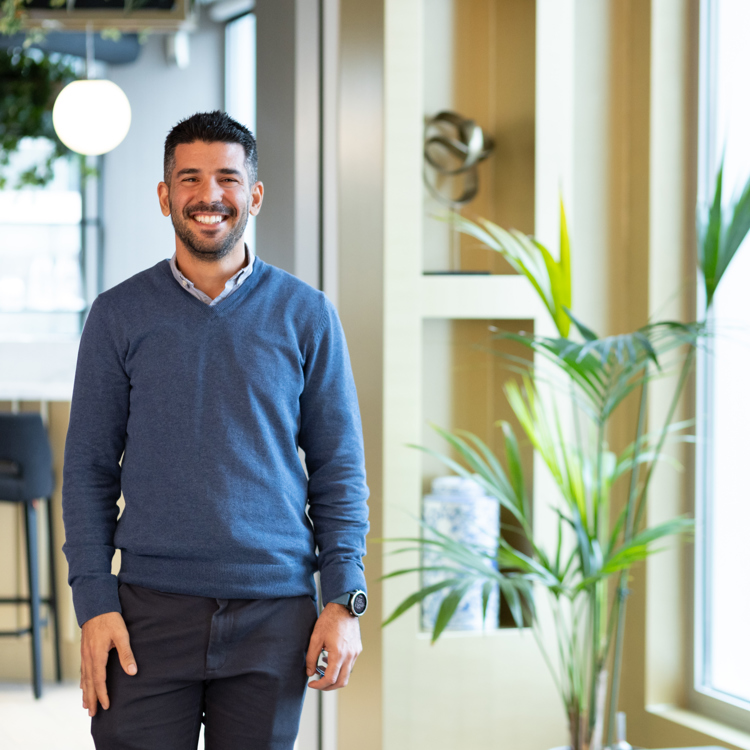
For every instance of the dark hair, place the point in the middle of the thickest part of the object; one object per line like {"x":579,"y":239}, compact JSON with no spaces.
{"x":210,"y":127}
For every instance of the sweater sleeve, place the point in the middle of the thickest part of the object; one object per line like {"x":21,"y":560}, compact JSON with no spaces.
{"x":331,"y":437}
{"x":91,"y":470}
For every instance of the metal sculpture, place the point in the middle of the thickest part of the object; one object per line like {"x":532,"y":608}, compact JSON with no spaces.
{"x":454,"y":146}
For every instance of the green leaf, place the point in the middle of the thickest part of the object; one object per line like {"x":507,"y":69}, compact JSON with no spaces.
{"x":418,"y":596}
{"x":735,"y":233}
{"x":709,"y":232}
{"x":420,"y":569}
{"x":720,"y":234}
{"x":514,"y":602}
{"x":515,"y":466}
{"x":565,"y":269}
{"x":586,"y":332}
{"x":551,"y":279}
{"x":448,"y":607}
{"x":487,"y":588}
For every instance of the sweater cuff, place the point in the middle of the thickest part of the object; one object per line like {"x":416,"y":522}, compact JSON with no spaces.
{"x":95,"y":596}
{"x":336,"y":580}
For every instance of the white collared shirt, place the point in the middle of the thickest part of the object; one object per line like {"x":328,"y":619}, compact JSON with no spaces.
{"x":232,"y":284}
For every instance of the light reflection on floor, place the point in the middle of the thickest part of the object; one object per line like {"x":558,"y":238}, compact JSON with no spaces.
{"x":55,"y":722}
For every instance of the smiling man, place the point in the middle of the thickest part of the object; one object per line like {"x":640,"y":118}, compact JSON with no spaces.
{"x":198,"y":381}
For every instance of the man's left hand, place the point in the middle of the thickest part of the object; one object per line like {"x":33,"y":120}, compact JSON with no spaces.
{"x":337,"y":632}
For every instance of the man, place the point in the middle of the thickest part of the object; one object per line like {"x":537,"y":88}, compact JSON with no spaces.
{"x":197,"y":381}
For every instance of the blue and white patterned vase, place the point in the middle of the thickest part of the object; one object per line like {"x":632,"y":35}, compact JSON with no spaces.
{"x":458,"y":508}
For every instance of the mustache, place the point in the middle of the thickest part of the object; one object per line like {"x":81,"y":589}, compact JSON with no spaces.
{"x":212,"y":208}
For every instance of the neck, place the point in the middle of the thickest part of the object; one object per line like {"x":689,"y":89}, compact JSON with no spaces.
{"x":210,"y":276}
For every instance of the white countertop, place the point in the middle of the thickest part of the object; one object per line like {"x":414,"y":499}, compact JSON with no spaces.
{"x":37,"y":370}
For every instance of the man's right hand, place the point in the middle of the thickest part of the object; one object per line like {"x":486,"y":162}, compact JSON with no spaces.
{"x":99,"y":636}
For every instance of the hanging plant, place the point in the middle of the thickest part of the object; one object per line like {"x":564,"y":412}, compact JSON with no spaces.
{"x":14,"y":14}
{"x":29,"y":84}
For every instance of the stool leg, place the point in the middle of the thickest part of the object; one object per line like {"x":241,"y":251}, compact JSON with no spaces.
{"x":53,"y":589}
{"x":32,"y":553}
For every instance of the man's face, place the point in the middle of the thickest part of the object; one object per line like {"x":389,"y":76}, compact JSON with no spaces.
{"x":210,"y":198}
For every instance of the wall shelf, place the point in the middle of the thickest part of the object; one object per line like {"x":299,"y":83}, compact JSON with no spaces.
{"x":509,"y":297}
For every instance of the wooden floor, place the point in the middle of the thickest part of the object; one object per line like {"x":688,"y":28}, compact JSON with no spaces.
{"x":57,"y":721}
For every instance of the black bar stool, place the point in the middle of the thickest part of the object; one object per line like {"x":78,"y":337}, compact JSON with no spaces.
{"x":26,"y":477}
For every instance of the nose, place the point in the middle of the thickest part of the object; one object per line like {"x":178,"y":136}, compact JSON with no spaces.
{"x":211,"y":191}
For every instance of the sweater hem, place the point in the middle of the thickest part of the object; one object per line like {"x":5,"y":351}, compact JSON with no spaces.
{"x":217,"y":579}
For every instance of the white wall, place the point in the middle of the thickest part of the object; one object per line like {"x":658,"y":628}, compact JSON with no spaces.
{"x":136,"y":235}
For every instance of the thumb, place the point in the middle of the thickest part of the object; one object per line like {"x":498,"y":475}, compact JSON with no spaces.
{"x":127,"y":660}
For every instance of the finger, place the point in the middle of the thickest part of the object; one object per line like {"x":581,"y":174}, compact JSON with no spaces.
{"x":322,"y":684}
{"x":329,"y":678}
{"x":127,"y":660}
{"x":313,"y":652}
{"x":100,"y":682}
{"x":89,"y":695}
{"x":335,"y":662}
{"x":87,"y":684}
{"x":343,"y":677}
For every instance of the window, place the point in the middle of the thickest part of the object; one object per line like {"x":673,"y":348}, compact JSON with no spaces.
{"x":722,"y":646}
{"x":43,"y":251}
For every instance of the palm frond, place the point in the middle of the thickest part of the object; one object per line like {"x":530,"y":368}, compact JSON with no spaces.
{"x":419,"y":596}
{"x":550,"y":279}
{"x":721,"y":232}
{"x":637,"y":549}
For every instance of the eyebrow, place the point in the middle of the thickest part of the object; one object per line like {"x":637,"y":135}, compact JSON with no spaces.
{"x":223,"y":170}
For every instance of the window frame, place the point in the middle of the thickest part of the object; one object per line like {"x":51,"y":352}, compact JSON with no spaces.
{"x":703,"y":698}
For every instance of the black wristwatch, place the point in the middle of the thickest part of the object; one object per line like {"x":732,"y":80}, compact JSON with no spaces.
{"x":354,"y":601}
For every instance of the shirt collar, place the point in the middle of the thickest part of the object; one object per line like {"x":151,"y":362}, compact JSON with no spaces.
{"x":245,"y":270}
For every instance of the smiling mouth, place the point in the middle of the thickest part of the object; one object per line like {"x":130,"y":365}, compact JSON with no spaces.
{"x":209,"y":220}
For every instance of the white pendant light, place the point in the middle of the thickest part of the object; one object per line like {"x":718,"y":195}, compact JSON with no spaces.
{"x":91,"y":117}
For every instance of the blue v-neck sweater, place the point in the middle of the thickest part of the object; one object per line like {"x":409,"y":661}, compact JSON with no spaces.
{"x":207,"y":407}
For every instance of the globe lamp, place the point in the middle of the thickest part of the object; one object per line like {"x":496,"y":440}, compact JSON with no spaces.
{"x":91,"y":116}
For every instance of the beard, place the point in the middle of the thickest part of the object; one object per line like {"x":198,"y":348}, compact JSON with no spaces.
{"x":206,"y":248}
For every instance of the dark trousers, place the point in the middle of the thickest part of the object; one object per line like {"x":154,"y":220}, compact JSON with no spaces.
{"x":237,"y":665}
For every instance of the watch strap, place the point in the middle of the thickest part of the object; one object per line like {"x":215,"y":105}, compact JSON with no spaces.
{"x":343,"y":599}
{"x":351,"y":600}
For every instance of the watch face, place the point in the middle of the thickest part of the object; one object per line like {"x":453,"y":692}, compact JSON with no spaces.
{"x":359,"y":604}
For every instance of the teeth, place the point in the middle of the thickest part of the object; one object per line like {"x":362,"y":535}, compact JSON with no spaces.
{"x":208,"y":219}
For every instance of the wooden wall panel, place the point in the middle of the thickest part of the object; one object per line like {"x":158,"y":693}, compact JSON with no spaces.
{"x":494,"y":73}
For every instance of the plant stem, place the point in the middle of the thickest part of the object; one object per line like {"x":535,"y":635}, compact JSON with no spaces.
{"x":622,"y":589}
{"x":576,"y":417}
{"x":594,"y":655}
{"x":631,"y":527}
{"x":598,"y":485}
{"x":686,"y":367}
{"x":601,"y":696}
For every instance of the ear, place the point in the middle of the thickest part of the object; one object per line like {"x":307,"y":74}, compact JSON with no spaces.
{"x":163,"y":192}
{"x":256,"y":198}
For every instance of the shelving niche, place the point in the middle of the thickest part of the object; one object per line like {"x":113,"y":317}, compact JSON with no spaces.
{"x":478,"y":60}
{"x":465,"y":369}
{"x":476,"y":57}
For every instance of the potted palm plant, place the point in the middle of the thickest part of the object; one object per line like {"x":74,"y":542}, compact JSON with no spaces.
{"x":564,"y":404}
